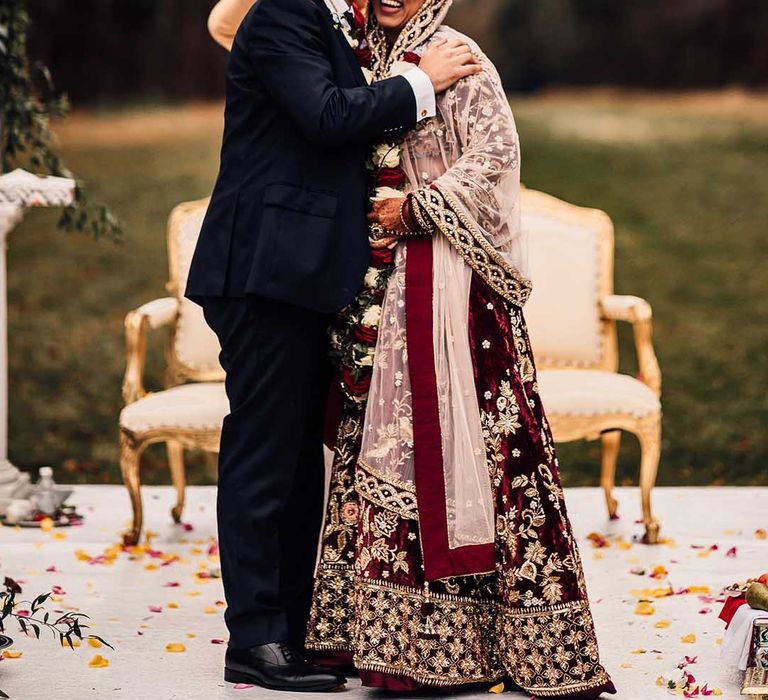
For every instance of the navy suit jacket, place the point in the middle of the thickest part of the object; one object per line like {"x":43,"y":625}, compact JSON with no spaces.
{"x":287,"y":218}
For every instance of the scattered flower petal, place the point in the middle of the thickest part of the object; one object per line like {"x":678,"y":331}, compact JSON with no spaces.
{"x":98,"y":661}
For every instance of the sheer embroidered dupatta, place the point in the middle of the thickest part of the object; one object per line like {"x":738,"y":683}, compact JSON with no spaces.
{"x":423,"y":423}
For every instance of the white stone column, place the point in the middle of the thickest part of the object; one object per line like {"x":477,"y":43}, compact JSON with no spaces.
{"x":18,"y":191}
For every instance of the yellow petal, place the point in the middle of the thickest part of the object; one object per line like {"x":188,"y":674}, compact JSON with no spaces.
{"x":75,"y":643}
{"x":191,"y":635}
{"x":699,"y":590}
{"x":175,"y":648}
{"x":761,"y":534}
{"x":95,"y":643}
{"x":98,"y":661}
{"x":626,"y":665}
{"x":11,"y":654}
{"x":662,"y":624}
{"x":58,"y":536}
{"x":46,"y":524}
{"x":688,"y":639}
{"x":150,"y":567}
{"x":82,"y":556}
{"x":210,"y":610}
{"x":173,"y":605}
{"x":192,"y":594}
{"x":644,"y":608}
{"x":639,"y":651}
{"x":497,"y":689}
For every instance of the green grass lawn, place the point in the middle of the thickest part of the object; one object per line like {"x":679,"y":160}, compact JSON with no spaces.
{"x":686,"y":185}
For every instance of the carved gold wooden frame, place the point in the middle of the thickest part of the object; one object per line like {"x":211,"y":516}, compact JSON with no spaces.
{"x":612,"y":308}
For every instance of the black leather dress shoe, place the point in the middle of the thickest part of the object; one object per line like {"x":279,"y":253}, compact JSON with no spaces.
{"x":279,"y":666}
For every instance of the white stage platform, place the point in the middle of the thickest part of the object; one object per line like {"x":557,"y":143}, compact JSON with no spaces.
{"x":120,"y":596}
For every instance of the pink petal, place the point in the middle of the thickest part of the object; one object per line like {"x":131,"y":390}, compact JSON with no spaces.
{"x":218,"y":641}
{"x":731,"y":553}
{"x":242,"y":686}
{"x":691,"y":660}
{"x":58,"y":590}
{"x":187,"y":527}
{"x":51,"y":569}
{"x":704,"y":611}
{"x":155,"y":609}
{"x":171,"y":584}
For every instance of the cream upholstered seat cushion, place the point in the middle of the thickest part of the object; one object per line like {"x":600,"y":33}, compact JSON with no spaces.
{"x":200,"y":406}
{"x":583,"y":392}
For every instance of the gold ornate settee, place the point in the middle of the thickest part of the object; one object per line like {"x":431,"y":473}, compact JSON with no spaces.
{"x":572,"y":318}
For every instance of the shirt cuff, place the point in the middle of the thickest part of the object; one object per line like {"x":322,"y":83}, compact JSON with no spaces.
{"x":424,"y":92}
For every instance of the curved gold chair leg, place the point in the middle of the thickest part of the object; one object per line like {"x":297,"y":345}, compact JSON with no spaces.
{"x":178,"y":476}
{"x":611,"y":442}
{"x":130,"y":465}
{"x":650,"y":446}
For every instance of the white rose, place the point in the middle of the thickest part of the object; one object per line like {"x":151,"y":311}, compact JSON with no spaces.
{"x":388,"y":193}
{"x":371,"y":278}
{"x":372,"y":316}
{"x":387,"y":156}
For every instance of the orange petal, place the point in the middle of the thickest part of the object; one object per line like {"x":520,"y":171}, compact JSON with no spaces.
{"x":175,"y":648}
{"x":11,"y":654}
{"x":688,"y":639}
{"x":95,"y":643}
{"x":98,"y":661}
{"x":662,"y":624}
{"x":644,"y":608}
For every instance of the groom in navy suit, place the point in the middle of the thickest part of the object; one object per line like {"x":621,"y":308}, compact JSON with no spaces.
{"x":283,"y":246}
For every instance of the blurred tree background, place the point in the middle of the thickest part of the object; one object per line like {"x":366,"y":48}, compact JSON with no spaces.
{"x":158,"y":50}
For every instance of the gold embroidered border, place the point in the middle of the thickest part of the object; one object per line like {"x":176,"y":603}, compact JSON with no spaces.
{"x":549,"y":651}
{"x":473,"y":247}
{"x":331,"y":616}
{"x":393,"y":495}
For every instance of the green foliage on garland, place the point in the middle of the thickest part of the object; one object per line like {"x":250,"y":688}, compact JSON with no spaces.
{"x":28,"y":101}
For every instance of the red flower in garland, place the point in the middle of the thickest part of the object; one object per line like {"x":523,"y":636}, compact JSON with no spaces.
{"x":366,"y":335}
{"x":358,"y":18}
{"x":412,"y":57}
{"x":356,"y":387}
{"x":364,"y":56}
{"x":390,"y":177}
{"x":381,"y":257}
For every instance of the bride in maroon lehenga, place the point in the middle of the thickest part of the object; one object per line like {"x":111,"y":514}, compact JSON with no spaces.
{"x":447,"y":555}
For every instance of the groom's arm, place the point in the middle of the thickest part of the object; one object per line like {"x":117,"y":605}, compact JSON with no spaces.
{"x":290,"y":57}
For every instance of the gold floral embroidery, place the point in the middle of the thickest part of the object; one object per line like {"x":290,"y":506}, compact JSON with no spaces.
{"x":550,"y":651}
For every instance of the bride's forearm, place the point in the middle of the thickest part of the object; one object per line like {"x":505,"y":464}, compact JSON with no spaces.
{"x":225,"y":18}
